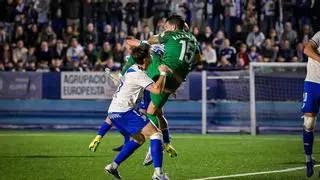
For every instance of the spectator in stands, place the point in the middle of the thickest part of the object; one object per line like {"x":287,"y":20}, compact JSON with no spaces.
{"x":146,"y":33}
{"x":232,"y":15}
{"x":197,"y":34}
{"x":210,"y":55}
{"x":67,"y":34}
{"x":20,"y":9}
{"x":242,"y":57}
{"x":87,"y":12}
{"x":115,"y":8}
{"x":208,"y":34}
{"x":286,"y":52}
{"x":44,"y":57}
{"x":135,"y":32}
{"x":273,"y":36}
{"x":33,"y":35}
{"x":90,"y":35}
{"x":121,"y":37}
{"x":76,"y":65}
{"x":43,"y":8}
{"x":224,"y":63}
{"x":302,"y":13}
{"x":300,"y":54}
{"x":100,"y":14}
{"x":306,"y":34}
{"x":212,"y":12}
{"x":218,"y":40}
{"x":289,"y":34}
{"x":19,"y":34}
{"x":197,"y":8}
{"x":48,"y":35}
{"x":268,"y":15}
{"x":4,"y":38}
{"x":132,"y":16}
{"x":59,"y":51}
{"x":19,"y":66}
{"x":256,"y":37}
{"x":228,"y":52}
{"x":2,"y":68}
{"x":56,"y":65}
{"x":8,"y":17}
{"x":159,"y":28}
{"x":72,"y":13}
{"x":107,"y":35}
{"x":20,"y":52}
{"x":91,"y":54}
{"x":57,"y":20}
{"x":266,"y":50}
{"x":31,"y":56}
{"x":118,"y":56}
{"x":239,"y":36}
{"x":105,"y":58}
{"x":253,"y":54}
{"x":6,"y":55}
{"x":75,"y":52}
{"x":31,"y":66}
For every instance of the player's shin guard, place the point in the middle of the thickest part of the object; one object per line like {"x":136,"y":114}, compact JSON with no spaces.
{"x":157,"y":151}
{"x":308,"y":137}
{"x":125,"y":152}
{"x":104,"y":128}
{"x":308,"y":144}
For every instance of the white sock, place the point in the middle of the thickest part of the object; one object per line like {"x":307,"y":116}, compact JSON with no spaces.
{"x":114,"y":165}
{"x":308,"y":158}
{"x":158,"y":170}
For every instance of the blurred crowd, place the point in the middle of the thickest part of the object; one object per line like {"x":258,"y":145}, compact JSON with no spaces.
{"x":89,"y":35}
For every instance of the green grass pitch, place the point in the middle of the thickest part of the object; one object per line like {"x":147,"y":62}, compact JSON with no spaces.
{"x":41,"y":155}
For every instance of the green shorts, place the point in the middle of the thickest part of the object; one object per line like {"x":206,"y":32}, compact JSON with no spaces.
{"x":160,"y":99}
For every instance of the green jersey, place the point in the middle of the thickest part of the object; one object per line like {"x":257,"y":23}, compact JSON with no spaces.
{"x":152,"y":70}
{"x":180,"y":48}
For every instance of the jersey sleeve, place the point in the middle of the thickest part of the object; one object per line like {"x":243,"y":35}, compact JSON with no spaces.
{"x":127,"y":65}
{"x":163,"y":37}
{"x":316,"y":38}
{"x":142,"y":80}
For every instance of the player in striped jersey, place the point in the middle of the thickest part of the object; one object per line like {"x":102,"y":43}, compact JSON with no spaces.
{"x":311,"y":98}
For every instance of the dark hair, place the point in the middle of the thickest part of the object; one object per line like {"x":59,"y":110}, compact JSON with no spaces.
{"x":140,"y":53}
{"x":176,"y":20}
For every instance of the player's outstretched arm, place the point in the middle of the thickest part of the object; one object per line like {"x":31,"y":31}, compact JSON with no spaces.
{"x":311,"y":51}
{"x":157,"y":87}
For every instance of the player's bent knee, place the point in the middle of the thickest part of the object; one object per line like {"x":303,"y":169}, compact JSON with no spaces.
{"x":309,"y":122}
{"x":108,"y":121}
{"x":139,"y":138}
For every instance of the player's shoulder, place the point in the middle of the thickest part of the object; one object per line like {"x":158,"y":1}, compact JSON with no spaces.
{"x":316,"y":38}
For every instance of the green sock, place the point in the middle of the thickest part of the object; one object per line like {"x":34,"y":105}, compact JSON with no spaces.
{"x":153,"y":119}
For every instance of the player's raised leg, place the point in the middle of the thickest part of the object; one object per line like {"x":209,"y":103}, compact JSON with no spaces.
{"x":155,"y":114}
{"x":166,"y":135}
{"x":104,"y":128}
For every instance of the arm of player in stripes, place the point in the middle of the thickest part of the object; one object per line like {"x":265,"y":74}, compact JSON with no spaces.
{"x":311,"y":51}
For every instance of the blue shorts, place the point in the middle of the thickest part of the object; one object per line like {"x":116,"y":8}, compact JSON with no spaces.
{"x":311,"y":97}
{"x":144,"y":103}
{"x":128,"y":123}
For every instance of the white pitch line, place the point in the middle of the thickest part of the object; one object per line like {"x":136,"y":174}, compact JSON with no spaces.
{"x":254,"y":173}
